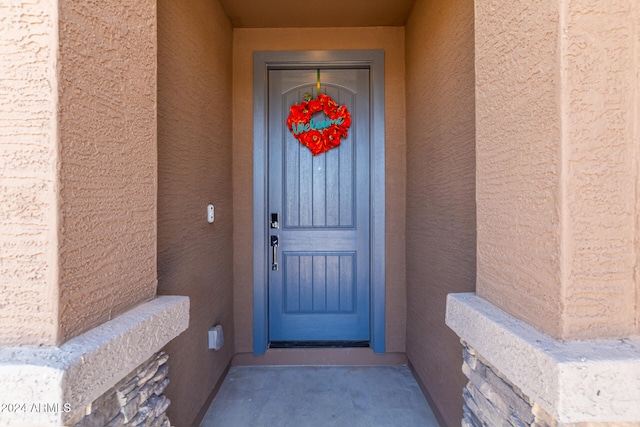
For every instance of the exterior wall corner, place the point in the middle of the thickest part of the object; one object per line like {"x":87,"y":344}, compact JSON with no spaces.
{"x":515,"y":369}
{"x":69,"y":378}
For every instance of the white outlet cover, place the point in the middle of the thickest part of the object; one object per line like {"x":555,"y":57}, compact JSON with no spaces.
{"x":215,"y":338}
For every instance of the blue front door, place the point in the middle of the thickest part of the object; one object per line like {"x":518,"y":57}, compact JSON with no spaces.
{"x":320,"y":290}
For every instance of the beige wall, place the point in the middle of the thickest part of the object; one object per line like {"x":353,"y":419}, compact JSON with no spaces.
{"x":28,"y":178}
{"x":391,"y":39}
{"x":194,"y":168}
{"x":440,"y":191}
{"x":636,"y":137}
{"x":79,"y":239}
{"x":601,"y":149}
{"x":518,"y":159}
{"x":107,"y":131}
{"x":557,"y":149}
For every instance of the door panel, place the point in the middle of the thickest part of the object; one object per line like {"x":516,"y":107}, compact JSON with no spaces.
{"x":318,"y":190}
{"x":319,"y":283}
{"x":320,"y":290}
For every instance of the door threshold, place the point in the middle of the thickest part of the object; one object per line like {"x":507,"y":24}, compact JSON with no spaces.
{"x":319,"y":357}
{"x":319,"y":344}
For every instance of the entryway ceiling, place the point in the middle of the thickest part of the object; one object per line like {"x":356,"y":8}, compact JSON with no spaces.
{"x":325,"y":13}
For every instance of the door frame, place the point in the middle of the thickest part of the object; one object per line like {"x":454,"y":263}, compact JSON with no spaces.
{"x":263,"y":61}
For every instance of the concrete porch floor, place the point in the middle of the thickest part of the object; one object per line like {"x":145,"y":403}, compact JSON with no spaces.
{"x":310,"y":396}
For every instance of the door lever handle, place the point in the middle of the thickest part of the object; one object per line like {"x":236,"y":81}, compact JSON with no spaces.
{"x":274,"y":248}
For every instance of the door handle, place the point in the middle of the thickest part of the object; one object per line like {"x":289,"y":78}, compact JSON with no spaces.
{"x":274,"y":248}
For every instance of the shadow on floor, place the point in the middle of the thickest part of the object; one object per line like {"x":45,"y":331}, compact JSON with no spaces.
{"x":309,"y":396}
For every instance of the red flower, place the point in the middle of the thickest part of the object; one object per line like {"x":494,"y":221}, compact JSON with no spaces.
{"x":317,"y":139}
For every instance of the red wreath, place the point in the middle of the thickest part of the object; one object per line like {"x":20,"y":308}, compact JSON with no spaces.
{"x":322,"y":135}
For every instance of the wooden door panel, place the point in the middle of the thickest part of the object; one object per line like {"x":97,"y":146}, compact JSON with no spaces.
{"x":318,"y":191}
{"x":319,"y":282}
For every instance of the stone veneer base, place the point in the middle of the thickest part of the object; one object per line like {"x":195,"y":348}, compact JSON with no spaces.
{"x":595,"y":381}
{"x":54,"y":386}
{"x":136,"y":401}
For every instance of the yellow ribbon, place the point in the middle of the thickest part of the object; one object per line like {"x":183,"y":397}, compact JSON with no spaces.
{"x":318,"y":81}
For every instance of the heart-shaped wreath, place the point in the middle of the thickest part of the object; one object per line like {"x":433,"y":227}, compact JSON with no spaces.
{"x":319,"y":135}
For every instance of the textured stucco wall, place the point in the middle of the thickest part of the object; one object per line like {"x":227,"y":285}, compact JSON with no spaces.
{"x":391,"y":39}
{"x":518,"y":158}
{"x":441,"y":246}
{"x":601,"y":147}
{"x":636,"y":137}
{"x":107,"y":131}
{"x":194,"y":169}
{"x":28,"y":177}
{"x":557,"y":149}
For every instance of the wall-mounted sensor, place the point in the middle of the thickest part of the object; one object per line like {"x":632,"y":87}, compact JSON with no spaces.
{"x":210,"y":213}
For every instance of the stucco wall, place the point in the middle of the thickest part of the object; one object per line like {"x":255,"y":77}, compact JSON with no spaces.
{"x":194,"y":169}
{"x":85,"y":245}
{"x":636,"y":137}
{"x":107,"y":131}
{"x":440,"y":190}
{"x":391,"y":39}
{"x":28,"y":177}
{"x":557,"y":148}
{"x":601,"y":147}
